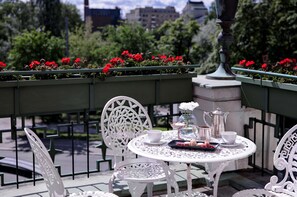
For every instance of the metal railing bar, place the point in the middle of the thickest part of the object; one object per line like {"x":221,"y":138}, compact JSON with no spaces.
{"x":264,"y":73}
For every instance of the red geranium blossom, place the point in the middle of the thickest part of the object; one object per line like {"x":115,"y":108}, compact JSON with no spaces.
{"x":163,"y":57}
{"x":170,"y":59}
{"x":116,"y":60}
{"x":33,"y":64}
{"x":179,"y":58}
{"x":106,"y":68}
{"x":125,"y":53}
{"x":51,"y":64}
{"x":2,"y":65}
{"x":65,"y":60}
{"x":249,"y":63}
{"x":77,"y":60}
{"x":242,"y":62}
{"x":138,"y":57}
{"x":264,"y":66}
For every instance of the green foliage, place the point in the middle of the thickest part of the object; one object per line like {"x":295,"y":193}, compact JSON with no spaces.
{"x":35,"y":45}
{"x":205,"y":51}
{"x":50,"y":15}
{"x":282,"y":39}
{"x":72,"y":13}
{"x":267,"y":28}
{"x":131,"y":37}
{"x":90,"y":46}
{"x":177,"y":38}
{"x":15,"y":17}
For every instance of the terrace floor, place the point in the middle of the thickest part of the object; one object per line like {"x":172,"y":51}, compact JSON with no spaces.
{"x":230,"y":183}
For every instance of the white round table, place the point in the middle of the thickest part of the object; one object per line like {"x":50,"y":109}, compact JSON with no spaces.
{"x":222,"y":155}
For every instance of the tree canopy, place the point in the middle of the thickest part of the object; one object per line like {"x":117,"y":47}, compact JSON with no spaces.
{"x":266,"y":28}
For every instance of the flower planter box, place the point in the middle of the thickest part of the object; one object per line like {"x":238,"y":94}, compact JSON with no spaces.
{"x":272,"y":97}
{"x":78,"y":94}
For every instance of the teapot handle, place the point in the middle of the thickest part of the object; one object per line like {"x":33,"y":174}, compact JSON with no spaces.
{"x":225,"y":116}
{"x":204,"y":118}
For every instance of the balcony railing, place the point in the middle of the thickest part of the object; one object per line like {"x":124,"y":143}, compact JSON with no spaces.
{"x":74,"y":156}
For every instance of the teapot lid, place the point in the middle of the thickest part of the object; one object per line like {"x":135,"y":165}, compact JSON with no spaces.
{"x":218,"y":111}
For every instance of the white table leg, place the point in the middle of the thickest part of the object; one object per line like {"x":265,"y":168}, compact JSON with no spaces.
{"x":189,"y":179}
{"x":171,"y":182}
{"x":214,"y":176}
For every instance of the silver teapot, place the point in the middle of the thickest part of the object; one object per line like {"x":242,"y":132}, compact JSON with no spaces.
{"x":218,"y":121}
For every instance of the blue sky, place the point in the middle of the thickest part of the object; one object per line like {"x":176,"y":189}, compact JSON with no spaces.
{"x":127,"y":5}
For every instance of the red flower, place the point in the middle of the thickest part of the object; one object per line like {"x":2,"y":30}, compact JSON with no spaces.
{"x":33,"y":64}
{"x":106,"y":68}
{"x":138,"y":57}
{"x":2,"y":65}
{"x":163,"y":57}
{"x":65,"y":60}
{"x":249,"y":63}
{"x":179,"y":58}
{"x":125,"y":53}
{"x":285,"y":61}
{"x":130,"y":55}
{"x":264,"y":66}
{"x":242,"y":62}
{"x":295,"y":68}
{"x":52,"y":64}
{"x":153,"y":57}
{"x":116,"y":60}
{"x":170,"y":59}
{"x":77,"y":60}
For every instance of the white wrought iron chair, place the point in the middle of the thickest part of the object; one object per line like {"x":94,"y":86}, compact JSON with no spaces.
{"x":50,"y":175}
{"x":283,"y":184}
{"x":123,"y":118}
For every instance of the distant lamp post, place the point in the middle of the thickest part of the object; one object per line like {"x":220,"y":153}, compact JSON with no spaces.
{"x":225,"y":10}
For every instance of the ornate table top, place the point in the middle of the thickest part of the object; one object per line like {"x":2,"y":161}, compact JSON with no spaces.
{"x":165,"y":153}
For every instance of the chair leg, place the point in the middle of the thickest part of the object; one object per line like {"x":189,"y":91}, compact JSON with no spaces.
{"x":150,"y":189}
{"x":173,"y":182}
{"x":111,"y":180}
{"x":136,"y":189}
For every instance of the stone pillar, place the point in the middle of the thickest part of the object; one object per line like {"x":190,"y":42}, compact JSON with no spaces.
{"x":226,"y":95}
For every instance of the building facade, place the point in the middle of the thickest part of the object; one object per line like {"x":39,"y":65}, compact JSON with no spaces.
{"x":195,"y":10}
{"x":150,"y":17}
{"x":101,"y":17}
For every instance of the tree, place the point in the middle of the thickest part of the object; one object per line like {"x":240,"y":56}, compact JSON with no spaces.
{"x":72,"y":13}
{"x":15,"y":17}
{"x":132,"y":37}
{"x":90,"y":46}
{"x":178,"y":37}
{"x":265,"y":29}
{"x":35,"y":45}
{"x":205,"y":51}
{"x":50,"y":15}
{"x":282,"y":38}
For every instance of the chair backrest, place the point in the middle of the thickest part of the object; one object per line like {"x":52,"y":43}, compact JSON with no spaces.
{"x":122,"y":119}
{"x":50,"y":175}
{"x":285,"y":161}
